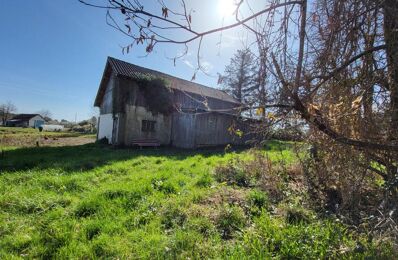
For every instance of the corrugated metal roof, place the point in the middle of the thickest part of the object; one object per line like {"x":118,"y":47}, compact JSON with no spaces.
{"x":133,"y":71}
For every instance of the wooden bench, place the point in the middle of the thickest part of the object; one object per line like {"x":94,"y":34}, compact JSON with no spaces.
{"x":146,"y":142}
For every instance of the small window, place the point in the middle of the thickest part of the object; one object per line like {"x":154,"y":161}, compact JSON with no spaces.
{"x":148,"y":126}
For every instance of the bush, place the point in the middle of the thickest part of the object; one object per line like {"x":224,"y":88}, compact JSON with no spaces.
{"x":229,"y":220}
{"x":340,"y":182}
{"x":232,"y":174}
{"x":258,"y":172}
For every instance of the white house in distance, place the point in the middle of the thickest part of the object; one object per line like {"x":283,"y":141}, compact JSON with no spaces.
{"x":26,"y":120}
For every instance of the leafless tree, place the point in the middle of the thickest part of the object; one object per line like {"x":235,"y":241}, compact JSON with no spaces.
{"x":283,"y":20}
{"x":6,"y":111}
{"x":331,"y":62}
{"x":45,"y":113}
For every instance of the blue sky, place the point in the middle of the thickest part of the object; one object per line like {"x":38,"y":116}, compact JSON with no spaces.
{"x":53,"y":54}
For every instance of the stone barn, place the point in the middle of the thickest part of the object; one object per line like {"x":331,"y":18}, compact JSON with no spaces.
{"x":138,"y":104}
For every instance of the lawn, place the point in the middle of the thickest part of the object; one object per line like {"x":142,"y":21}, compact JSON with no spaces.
{"x":93,"y":201}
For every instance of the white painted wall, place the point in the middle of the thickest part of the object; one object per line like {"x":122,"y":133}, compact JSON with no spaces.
{"x":105,"y":127}
{"x":33,"y":119}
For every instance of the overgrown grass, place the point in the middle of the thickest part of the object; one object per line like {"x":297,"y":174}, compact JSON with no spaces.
{"x":94,"y":201}
{"x":28,"y":131}
{"x":27,"y":137}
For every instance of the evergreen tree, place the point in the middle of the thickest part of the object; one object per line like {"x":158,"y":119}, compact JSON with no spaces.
{"x":239,"y":76}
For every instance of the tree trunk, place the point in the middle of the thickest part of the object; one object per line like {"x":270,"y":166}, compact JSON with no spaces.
{"x":391,"y":38}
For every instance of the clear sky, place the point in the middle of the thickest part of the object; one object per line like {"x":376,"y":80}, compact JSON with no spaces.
{"x":53,"y":52}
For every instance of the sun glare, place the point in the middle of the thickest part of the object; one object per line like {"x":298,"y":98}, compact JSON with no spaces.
{"x":226,"y":7}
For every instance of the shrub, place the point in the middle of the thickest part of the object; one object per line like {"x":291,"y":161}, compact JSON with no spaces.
{"x":340,"y":181}
{"x":257,"y":172}
{"x":229,"y":220}
{"x":232,"y":174}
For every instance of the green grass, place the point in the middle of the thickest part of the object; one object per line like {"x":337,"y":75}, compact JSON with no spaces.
{"x":92,"y":201}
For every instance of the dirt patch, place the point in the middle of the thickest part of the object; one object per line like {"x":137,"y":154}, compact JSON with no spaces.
{"x":68,"y":141}
{"x":32,"y":141}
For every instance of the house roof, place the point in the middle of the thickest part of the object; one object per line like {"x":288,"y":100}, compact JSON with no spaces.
{"x":133,"y":71}
{"x":24,"y":117}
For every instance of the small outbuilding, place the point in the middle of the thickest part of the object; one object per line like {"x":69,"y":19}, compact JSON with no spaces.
{"x":138,"y":104}
{"x":26,"y":120}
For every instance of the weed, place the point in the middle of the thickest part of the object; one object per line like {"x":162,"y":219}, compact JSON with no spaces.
{"x":172,"y":216}
{"x":130,"y":204}
{"x":201,"y":225}
{"x":232,"y":174}
{"x":257,"y":202}
{"x":204,"y":181}
{"x":163,"y":185}
{"x":296,"y":216}
{"x":229,"y":220}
